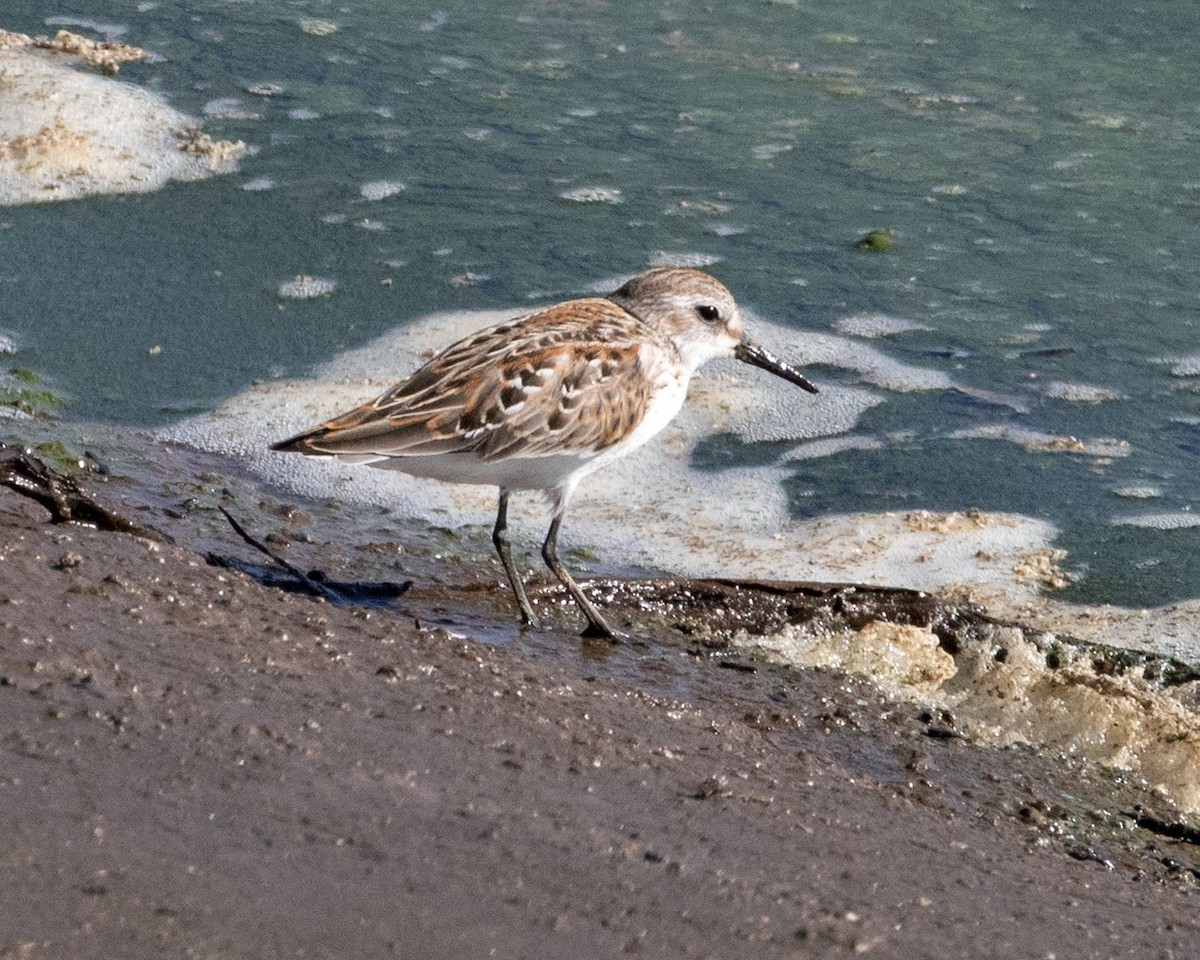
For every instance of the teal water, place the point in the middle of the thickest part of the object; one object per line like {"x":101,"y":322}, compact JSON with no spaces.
{"x":1036,"y":162}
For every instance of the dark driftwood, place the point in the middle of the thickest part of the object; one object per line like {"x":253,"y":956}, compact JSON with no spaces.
{"x":313,"y":583}
{"x":314,"y":586}
{"x":763,"y":606}
{"x":63,"y":496}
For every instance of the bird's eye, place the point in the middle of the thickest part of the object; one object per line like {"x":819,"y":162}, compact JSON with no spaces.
{"x":708,"y":312}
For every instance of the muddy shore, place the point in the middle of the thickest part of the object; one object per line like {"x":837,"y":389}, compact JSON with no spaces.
{"x":194,"y":764}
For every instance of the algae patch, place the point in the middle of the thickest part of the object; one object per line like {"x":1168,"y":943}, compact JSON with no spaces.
{"x":876,"y":241}
{"x":23,"y":393}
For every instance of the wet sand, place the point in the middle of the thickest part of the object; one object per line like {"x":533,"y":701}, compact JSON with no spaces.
{"x":193,"y":764}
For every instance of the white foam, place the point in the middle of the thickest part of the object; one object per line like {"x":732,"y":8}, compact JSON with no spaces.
{"x":66,"y":134}
{"x":769,"y":151}
{"x":1185,"y":366}
{"x":1147,"y":492}
{"x":1036,"y":441}
{"x":1078,"y":392}
{"x":701,"y":522}
{"x":318,"y":28}
{"x":872,"y":325}
{"x":306,"y":288}
{"x":111,"y":31}
{"x":1159,"y":521}
{"x":381,"y":189}
{"x":592,"y":195}
{"x":229,"y":108}
{"x":1077,"y":707}
{"x":265,"y":89}
{"x":669,"y":258}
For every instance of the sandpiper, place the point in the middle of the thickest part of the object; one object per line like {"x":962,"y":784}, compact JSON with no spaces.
{"x":541,"y":401}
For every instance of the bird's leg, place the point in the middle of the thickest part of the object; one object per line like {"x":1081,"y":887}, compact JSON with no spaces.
{"x":500,"y":539}
{"x":596,"y":626}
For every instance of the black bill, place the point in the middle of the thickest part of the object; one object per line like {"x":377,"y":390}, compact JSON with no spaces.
{"x":750,"y":352}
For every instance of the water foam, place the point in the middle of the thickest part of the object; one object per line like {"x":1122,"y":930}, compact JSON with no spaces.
{"x":66,"y":134}
{"x":1011,"y":688}
{"x":871,"y":326}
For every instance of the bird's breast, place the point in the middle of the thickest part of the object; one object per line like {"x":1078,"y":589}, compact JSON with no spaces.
{"x":662,"y":397}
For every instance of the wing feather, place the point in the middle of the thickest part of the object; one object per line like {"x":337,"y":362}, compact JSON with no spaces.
{"x":570,"y":379}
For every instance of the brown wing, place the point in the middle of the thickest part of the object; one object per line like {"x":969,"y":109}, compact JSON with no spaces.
{"x":568,"y":379}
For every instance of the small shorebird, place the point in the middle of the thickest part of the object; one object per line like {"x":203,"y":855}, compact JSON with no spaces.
{"x":541,"y":401}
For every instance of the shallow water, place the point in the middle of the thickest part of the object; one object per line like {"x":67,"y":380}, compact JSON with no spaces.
{"x":1036,"y":165}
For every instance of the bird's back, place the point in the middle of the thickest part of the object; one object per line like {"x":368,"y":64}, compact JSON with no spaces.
{"x":567,"y":383}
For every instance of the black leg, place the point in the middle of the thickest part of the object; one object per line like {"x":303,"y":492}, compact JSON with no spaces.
{"x":500,"y":539}
{"x":596,"y":626}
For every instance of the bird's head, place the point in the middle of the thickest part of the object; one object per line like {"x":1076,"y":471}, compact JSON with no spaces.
{"x":700,"y":318}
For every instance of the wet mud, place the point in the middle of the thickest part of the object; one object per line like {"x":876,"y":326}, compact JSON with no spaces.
{"x":195,"y":763}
